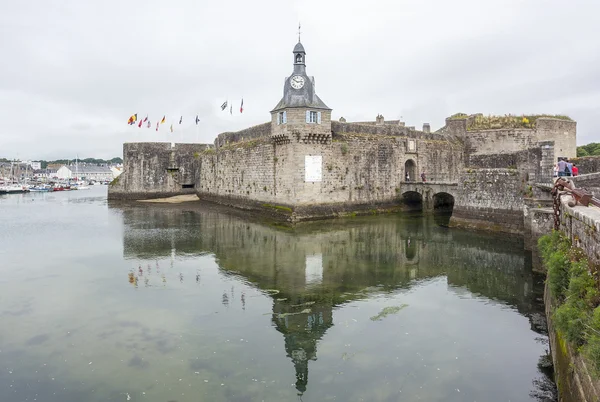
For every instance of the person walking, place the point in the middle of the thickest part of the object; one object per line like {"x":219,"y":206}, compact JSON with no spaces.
{"x":569,"y":168}
{"x":575,"y":170}
{"x":562,"y":166}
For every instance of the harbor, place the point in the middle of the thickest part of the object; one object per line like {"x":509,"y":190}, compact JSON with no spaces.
{"x":24,"y":177}
{"x":187,"y":302}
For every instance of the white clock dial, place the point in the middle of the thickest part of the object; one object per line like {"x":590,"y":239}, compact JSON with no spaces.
{"x":297,"y":81}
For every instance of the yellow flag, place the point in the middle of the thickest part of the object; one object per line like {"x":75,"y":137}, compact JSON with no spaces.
{"x":163,"y":120}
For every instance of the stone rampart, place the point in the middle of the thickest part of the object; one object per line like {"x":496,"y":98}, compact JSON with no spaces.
{"x":357,"y":170}
{"x":156,"y":169}
{"x":509,"y":140}
{"x":562,"y":132}
{"x":526,"y":162}
{"x":587,"y":164}
{"x":254,"y":132}
{"x":391,"y":130}
{"x":489,"y":199}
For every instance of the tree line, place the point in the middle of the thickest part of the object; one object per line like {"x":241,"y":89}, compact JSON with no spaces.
{"x":591,"y":149}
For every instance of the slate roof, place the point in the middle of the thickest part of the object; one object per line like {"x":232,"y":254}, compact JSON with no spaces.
{"x":301,"y":101}
{"x":90,"y":169}
{"x":299,"y":48}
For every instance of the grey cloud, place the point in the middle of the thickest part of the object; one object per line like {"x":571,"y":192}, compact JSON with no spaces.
{"x":74,"y":71}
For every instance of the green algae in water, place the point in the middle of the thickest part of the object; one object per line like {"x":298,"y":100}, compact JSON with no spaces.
{"x":387,"y":311}
{"x":305,"y":311}
{"x":271,"y":291}
{"x":310,"y":303}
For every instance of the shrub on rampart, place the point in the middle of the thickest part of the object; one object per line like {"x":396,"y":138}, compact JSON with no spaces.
{"x":481,"y":122}
{"x":573,"y":283}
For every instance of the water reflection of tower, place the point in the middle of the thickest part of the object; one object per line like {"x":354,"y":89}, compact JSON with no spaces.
{"x":302,"y":324}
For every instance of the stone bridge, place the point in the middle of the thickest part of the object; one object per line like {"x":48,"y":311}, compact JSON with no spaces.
{"x":429,"y":195}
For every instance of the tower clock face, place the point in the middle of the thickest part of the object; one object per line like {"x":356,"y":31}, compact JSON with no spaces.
{"x":297,"y":81}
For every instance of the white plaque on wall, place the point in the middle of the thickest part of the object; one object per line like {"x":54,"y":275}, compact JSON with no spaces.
{"x":313,"y":168}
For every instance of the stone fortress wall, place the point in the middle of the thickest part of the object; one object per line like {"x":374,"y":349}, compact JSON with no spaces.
{"x":361,"y":165}
{"x":301,"y":165}
{"x":363,"y":168}
{"x":156,"y":169}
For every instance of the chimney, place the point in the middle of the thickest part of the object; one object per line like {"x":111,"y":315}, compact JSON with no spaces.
{"x":426,"y":128}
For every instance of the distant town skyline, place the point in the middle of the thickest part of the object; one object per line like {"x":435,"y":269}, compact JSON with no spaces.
{"x":79,"y":70}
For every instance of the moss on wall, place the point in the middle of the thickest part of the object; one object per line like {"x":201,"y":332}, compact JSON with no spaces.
{"x":573,"y":283}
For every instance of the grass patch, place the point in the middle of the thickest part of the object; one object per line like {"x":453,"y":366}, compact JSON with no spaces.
{"x":573,"y":282}
{"x":114,"y":181}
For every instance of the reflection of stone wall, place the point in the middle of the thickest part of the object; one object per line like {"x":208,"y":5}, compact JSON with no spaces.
{"x":353,"y":255}
{"x":317,"y":266}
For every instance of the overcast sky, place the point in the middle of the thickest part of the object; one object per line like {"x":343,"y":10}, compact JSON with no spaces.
{"x":73,"y":71}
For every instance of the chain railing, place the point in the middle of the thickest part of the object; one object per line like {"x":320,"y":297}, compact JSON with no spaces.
{"x":580,"y":196}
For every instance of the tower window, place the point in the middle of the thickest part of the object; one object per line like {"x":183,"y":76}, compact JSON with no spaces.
{"x":281,"y":117}
{"x":313,"y":117}
{"x":299,"y":58}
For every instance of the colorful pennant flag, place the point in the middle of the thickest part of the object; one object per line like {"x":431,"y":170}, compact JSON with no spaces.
{"x":197,"y":119}
{"x":140,"y":124}
{"x":180,"y":119}
{"x":146,"y":118}
{"x":163,"y":120}
{"x":242,"y":106}
{"x":132,"y":119}
{"x":171,"y":128}
{"x":157,"y":123}
{"x":224,"y":105}
{"x":231,"y":109}
{"x":149,"y":124}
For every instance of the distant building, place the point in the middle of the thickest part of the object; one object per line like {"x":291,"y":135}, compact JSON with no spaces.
{"x":33,"y":164}
{"x":98,"y":173}
{"x":15,"y":170}
{"x":44,"y":174}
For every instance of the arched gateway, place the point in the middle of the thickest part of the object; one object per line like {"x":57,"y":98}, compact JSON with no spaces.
{"x":428,"y":196}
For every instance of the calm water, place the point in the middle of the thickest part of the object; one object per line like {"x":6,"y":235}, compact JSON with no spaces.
{"x":172,"y":303}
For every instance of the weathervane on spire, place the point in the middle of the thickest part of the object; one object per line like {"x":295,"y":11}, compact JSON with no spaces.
{"x":299,"y":31}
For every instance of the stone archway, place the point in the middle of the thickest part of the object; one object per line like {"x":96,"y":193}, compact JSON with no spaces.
{"x":412,"y":201}
{"x":443,"y":205}
{"x":410,"y":167}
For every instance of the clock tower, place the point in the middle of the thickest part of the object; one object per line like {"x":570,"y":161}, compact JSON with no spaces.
{"x":300,"y":116}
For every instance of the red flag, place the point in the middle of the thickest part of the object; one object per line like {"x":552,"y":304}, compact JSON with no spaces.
{"x":242,"y":106}
{"x":146,"y":118}
{"x":140,"y":123}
